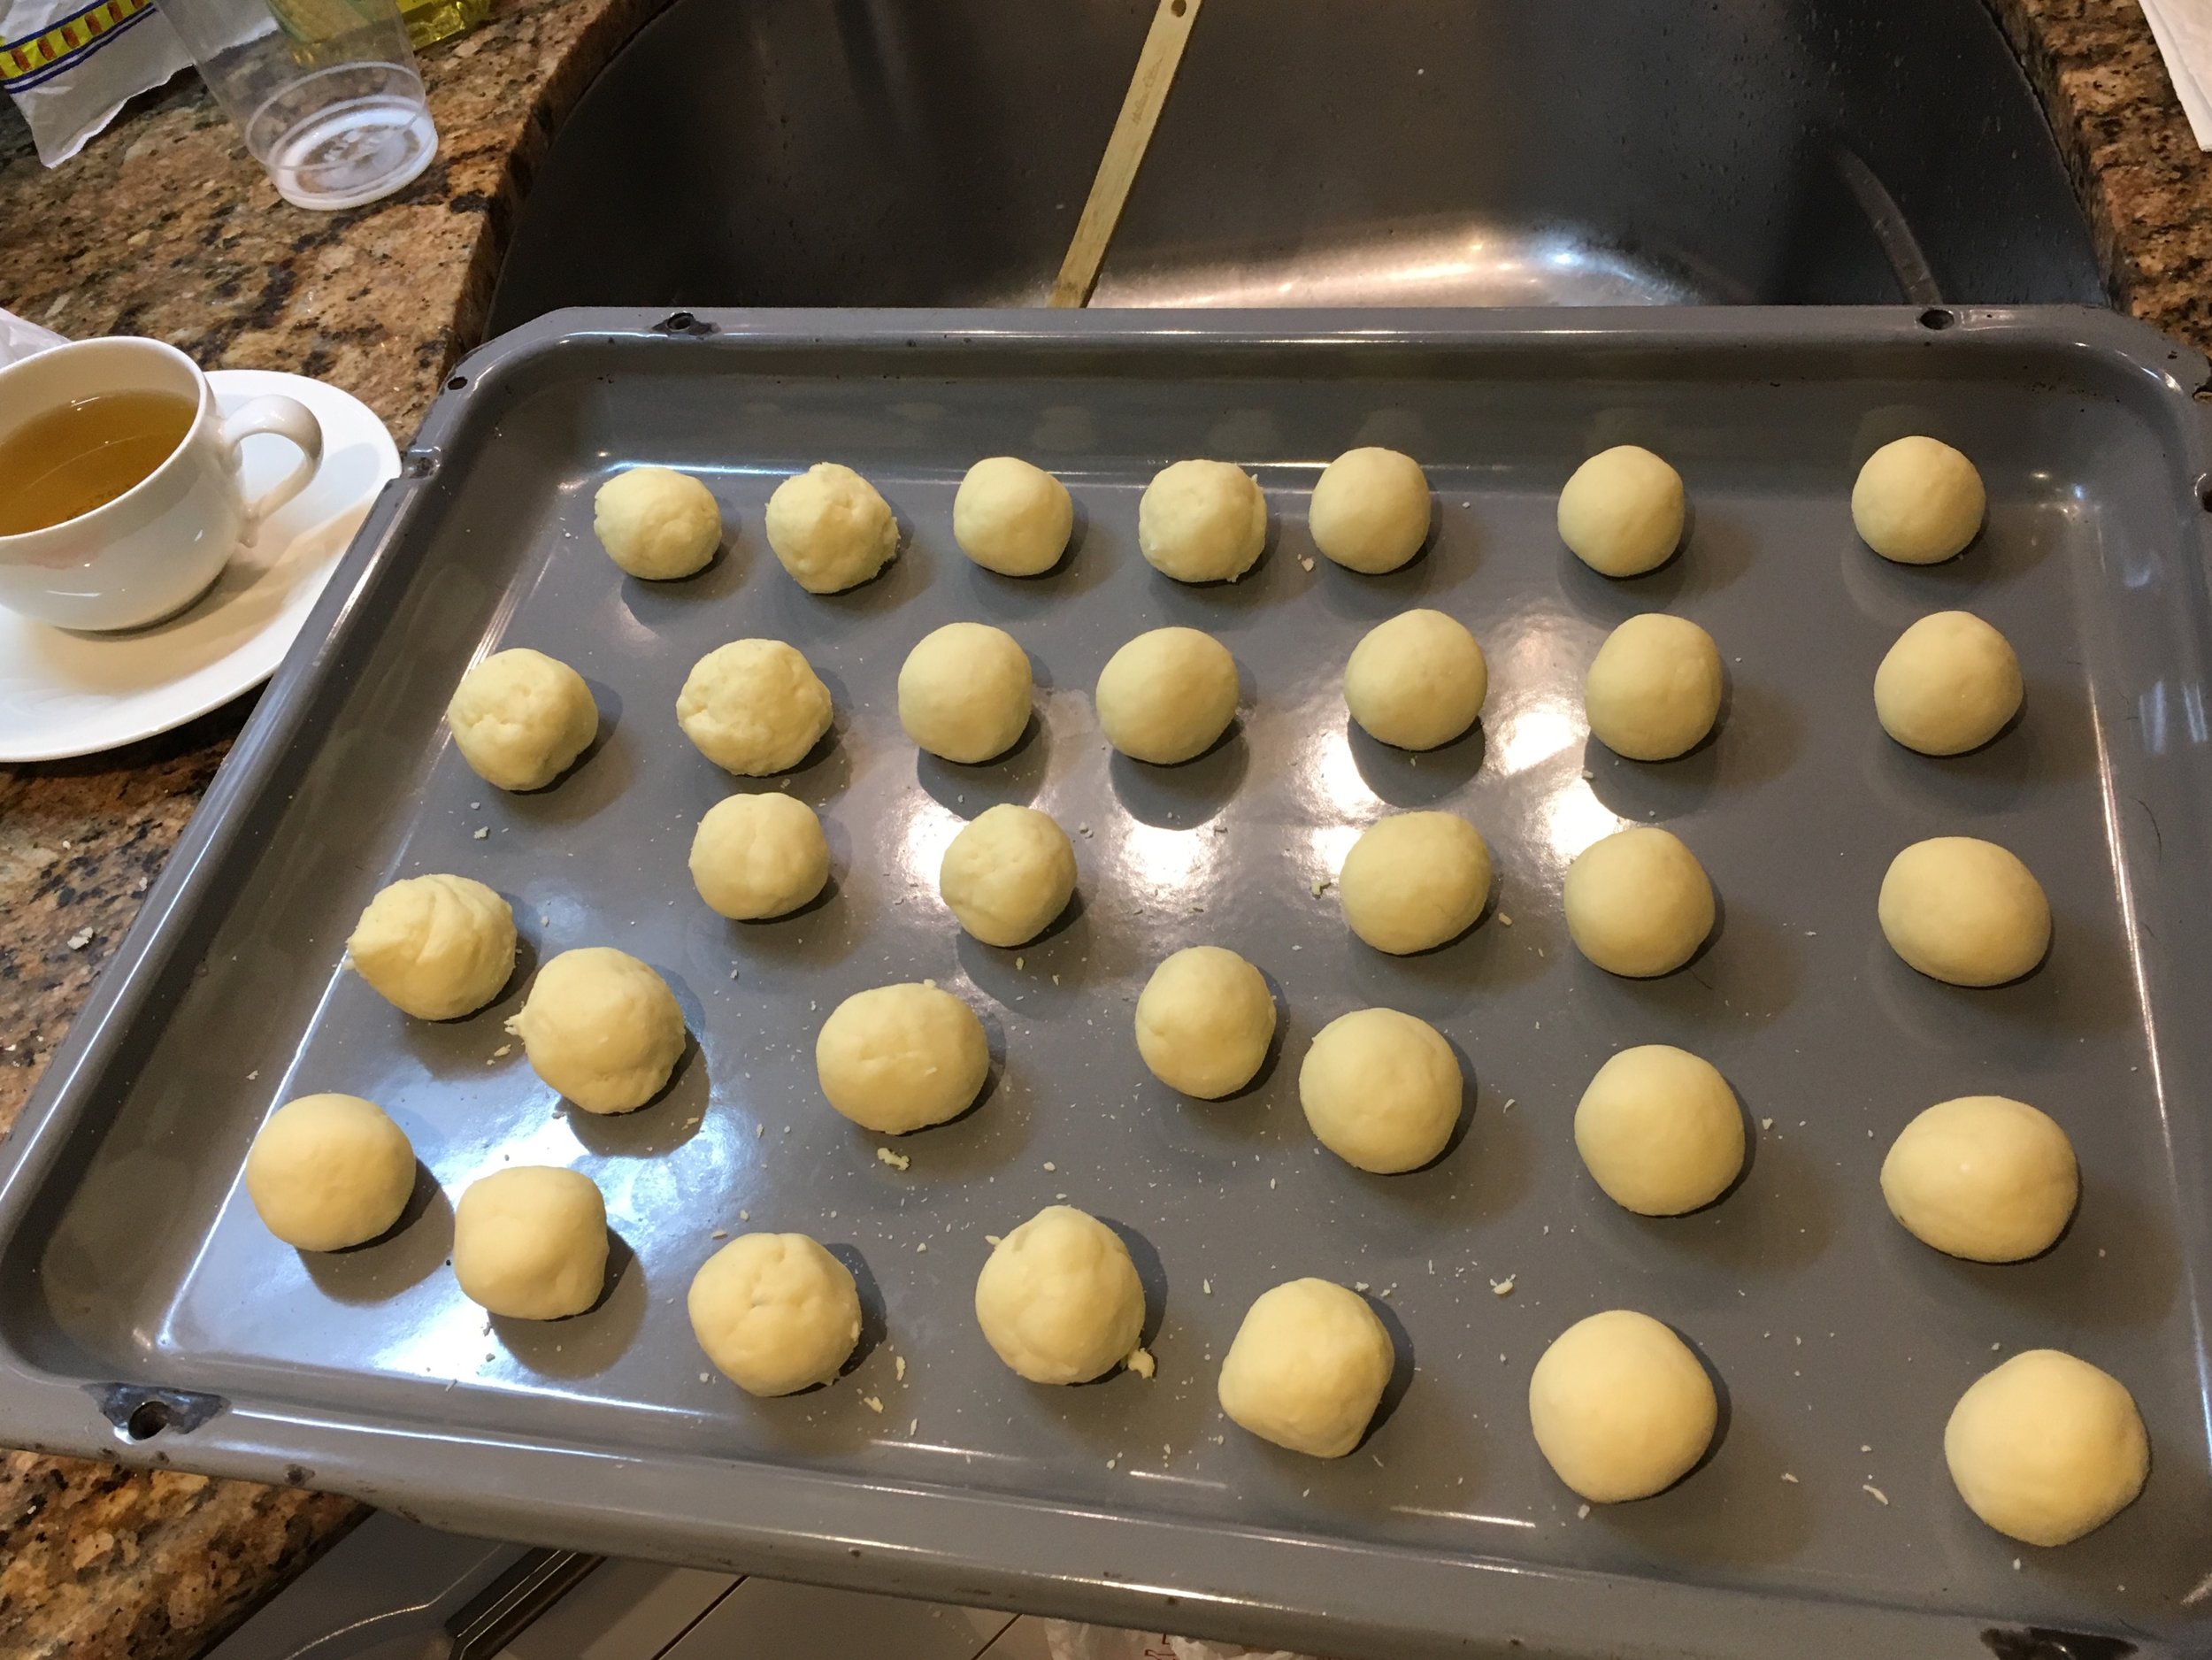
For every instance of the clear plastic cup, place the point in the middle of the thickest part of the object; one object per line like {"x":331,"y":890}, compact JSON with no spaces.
{"x":324,"y":91}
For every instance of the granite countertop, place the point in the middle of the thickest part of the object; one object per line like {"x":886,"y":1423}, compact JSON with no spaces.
{"x":164,"y":226}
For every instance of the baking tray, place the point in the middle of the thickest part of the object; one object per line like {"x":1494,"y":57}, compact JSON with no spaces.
{"x":147,"y":1317}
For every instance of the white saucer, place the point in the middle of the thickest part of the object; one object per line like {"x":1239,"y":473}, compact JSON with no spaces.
{"x":65,"y":694}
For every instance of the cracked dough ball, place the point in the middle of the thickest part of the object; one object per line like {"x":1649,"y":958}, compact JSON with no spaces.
{"x":754,"y":707}
{"x":601,"y":1027}
{"x":1652,"y":691}
{"x":1417,"y":681}
{"x":519,"y":717}
{"x":1983,"y":1177}
{"x":1381,"y":1090}
{"x":329,"y":1172}
{"x":1948,"y":685}
{"x":1622,"y":511}
{"x":1621,"y":1408}
{"x":657,"y":524}
{"x":899,"y":1058}
{"x":1008,"y":875}
{"x":434,"y":947}
{"x":1414,"y":880}
{"x":775,"y":1312}
{"x":1201,"y":521}
{"x":963,"y":692}
{"x":1964,"y":910}
{"x":755,"y":856}
{"x":1638,"y":904}
{"x":1917,"y":501}
{"x":1168,"y":695}
{"x":1204,"y":1021}
{"x":1059,"y":1301}
{"x":2047,"y":1447}
{"x":530,"y":1242}
{"x":1012,"y":518}
{"x":1369,"y":510}
{"x":1660,"y":1130}
{"x":1307,"y":1368}
{"x":830,"y":528}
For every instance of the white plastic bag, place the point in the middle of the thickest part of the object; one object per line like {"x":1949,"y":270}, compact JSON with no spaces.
{"x":1069,"y":1640}
{"x":19,"y":339}
{"x":70,"y":64}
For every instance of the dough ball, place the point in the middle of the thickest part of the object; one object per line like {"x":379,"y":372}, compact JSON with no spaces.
{"x":775,"y":1312}
{"x":1621,"y":1407}
{"x":328,"y":1171}
{"x":657,"y":524}
{"x":1307,"y":1368}
{"x":2047,"y":1447}
{"x":1414,"y":880}
{"x":1008,"y":874}
{"x":1660,"y":1130}
{"x":1622,"y":511}
{"x":1059,"y":1300}
{"x":1964,"y":910}
{"x":1948,"y":685}
{"x":1369,"y":510}
{"x":1984,"y":1177}
{"x":898,"y":1058}
{"x":530,"y":1242}
{"x":601,"y":1028}
{"x":1417,"y":681}
{"x":1012,"y":518}
{"x":435,"y":946}
{"x":519,"y":717}
{"x":1204,"y":1021}
{"x":1382,"y":1089}
{"x":755,"y":857}
{"x":1201,"y":521}
{"x":754,"y":707}
{"x":830,"y":529}
{"x":963,"y":692}
{"x":1917,"y":501}
{"x":1168,"y":695}
{"x":1652,"y":691}
{"x":1638,"y":904}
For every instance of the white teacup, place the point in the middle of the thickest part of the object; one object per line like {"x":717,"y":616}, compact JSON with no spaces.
{"x":159,"y":545}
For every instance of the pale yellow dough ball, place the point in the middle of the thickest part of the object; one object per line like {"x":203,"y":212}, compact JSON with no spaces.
{"x":1307,"y":1368}
{"x":1414,"y":880}
{"x":1011,"y":517}
{"x":1168,"y":695}
{"x":899,"y":1058}
{"x":1964,"y":910}
{"x":1638,"y":903}
{"x":1948,"y":685}
{"x":1381,"y":1090}
{"x":530,"y":1242}
{"x":1204,"y":1021}
{"x":1201,"y":521}
{"x":2047,"y":1447}
{"x":830,"y":528}
{"x":963,"y":692}
{"x":1417,"y":681}
{"x":329,"y":1172}
{"x":657,"y":524}
{"x":519,"y":717}
{"x":1983,"y":1177}
{"x":756,"y":857}
{"x":1369,"y":510}
{"x":775,"y":1312}
{"x":1621,"y":1408}
{"x":1654,"y":689}
{"x":1622,"y":511}
{"x":1917,"y":501}
{"x":754,"y":707}
{"x":1059,"y":1300}
{"x":434,"y":947}
{"x":601,"y":1027}
{"x":1660,"y":1131}
{"x":1008,"y":875}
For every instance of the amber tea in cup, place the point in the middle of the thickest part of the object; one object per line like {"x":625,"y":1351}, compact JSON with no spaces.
{"x":75,"y":456}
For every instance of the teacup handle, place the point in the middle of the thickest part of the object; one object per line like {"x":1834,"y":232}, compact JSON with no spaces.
{"x":289,"y":419}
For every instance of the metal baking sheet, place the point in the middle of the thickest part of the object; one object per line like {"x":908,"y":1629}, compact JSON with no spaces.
{"x":1823,"y":1521}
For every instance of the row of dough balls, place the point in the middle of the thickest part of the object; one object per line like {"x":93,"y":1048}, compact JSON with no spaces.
{"x":2045,"y":1448}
